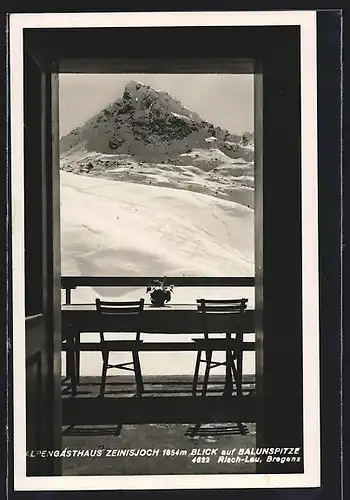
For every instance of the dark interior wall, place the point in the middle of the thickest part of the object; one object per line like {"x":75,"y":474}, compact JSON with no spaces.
{"x":280,"y":261}
{"x":37,"y":359}
{"x":42,"y":273}
{"x":33,"y":180}
{"x":158,"y":49}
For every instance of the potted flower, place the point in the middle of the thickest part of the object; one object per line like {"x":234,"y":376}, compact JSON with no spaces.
{"x":160,"y":292}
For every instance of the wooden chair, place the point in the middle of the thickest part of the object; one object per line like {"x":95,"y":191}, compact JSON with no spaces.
{"x":117,"y":309}
{"x":228,"y":311}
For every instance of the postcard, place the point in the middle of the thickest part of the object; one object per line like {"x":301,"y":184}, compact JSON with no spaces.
{"x":164,"y":250}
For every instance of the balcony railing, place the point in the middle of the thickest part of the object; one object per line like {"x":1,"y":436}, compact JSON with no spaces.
{"x":69,"y":283}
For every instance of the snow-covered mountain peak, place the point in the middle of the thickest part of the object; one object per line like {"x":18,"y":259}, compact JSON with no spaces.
{"x":146,"y":123}
{"x":149,"y":136}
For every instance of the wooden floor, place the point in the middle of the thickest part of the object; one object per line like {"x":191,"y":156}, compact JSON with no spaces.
{"x":165,"y":400}
{"x":174,"y":446}
{"x":156,"y":386}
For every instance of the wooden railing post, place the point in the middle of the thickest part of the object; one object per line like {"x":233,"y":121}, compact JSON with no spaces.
{"x":68,"y":289}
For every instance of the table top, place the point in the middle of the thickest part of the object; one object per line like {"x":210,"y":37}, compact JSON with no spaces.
{"x":171,"y":318}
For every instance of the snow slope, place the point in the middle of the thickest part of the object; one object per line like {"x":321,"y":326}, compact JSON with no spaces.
{"x":122,"y":229}
{"x":206,"y":171}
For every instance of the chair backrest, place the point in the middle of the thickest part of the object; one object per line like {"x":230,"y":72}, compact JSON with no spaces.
{"x":117,"y":309}
{"x":226,"y":307}
{"x":205,"y":306}
{"x":120,"y":308}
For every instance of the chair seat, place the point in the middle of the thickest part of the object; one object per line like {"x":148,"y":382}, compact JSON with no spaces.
{"x":121,"y":345}
{"x":216,"y":344}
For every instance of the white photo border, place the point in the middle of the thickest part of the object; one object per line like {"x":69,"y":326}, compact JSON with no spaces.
{"x":310,"y":267}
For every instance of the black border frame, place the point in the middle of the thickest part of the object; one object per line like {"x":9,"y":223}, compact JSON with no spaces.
{"x":330,"y":205}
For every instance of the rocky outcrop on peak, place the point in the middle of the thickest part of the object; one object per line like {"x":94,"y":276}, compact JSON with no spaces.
{"x":153,"y":124}
{"x":149,"y":137}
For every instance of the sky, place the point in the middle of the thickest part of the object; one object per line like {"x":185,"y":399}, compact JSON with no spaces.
{"x":224,"y":100}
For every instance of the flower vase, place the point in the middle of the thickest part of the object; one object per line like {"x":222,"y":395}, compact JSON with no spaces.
{"x":159,"y":297}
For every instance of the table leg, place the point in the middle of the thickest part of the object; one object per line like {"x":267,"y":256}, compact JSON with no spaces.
{"x":239,"y":337}
{"x":77,"y":356}
{"x":70,"y":355}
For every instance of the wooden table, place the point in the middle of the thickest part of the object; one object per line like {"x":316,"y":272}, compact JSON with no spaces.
{"x":169,"y":320}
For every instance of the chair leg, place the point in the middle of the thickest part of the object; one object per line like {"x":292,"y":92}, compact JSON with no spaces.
{"x":234,"y":371}
{"x":235,"y":375}
{"x":138,"y":374}
{"x":228,"y":377}
{"x":196,"y":373}
{"x":104,"y":373}
{"x":237,"y":379}
{"x":209,"y":355}
{"x":239,"y":374}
